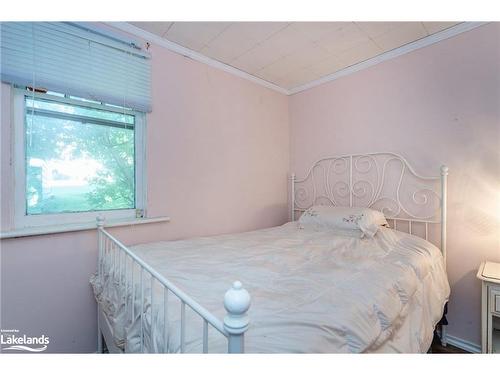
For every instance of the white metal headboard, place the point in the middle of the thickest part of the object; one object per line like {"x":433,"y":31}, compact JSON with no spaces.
{"x":379,"y":180}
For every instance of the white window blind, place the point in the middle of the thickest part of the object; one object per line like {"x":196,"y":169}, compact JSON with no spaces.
{"x":68,"y":58}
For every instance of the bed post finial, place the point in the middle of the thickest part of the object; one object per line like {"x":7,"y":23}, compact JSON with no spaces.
{"x":100,"y":221}
{"x":236,"y":303}
{"x":444,"y":170}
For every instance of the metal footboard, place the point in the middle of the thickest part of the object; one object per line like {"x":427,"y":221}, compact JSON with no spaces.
{"x":114,"y":259}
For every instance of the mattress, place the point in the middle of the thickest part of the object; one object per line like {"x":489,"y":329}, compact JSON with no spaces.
{"x":312,"y":292}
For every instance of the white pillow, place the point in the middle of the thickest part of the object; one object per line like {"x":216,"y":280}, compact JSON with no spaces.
{"x":366,"y":220}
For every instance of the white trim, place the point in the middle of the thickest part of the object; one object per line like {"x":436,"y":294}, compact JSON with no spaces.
{"x":420,"y":43}
{"x":21,"y":220}
{"x":463,"y":344}
{"x":174,"y":47}
{"x":140,"y":174}
{"x":76,"y":227}
{"x":77,"y":102}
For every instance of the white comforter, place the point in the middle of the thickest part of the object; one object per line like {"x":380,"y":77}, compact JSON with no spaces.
{"x":311,"y":291}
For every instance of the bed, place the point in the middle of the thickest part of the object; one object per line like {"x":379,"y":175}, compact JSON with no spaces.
{"x":298,"y":290}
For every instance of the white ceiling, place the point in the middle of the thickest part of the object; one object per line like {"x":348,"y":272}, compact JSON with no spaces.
{"x":291,"y":54}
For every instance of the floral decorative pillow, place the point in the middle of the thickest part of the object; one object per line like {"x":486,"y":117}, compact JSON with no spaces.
{"x":344,"y":219}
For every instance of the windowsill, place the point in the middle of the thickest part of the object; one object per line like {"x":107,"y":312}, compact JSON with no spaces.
{"x":50,"y":229}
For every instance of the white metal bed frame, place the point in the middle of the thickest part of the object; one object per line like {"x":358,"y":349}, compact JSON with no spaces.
{"x":237,"y":300}
{"x":352,"y":167}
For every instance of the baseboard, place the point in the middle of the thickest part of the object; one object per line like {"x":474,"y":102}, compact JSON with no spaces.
{"x":463,"y":344}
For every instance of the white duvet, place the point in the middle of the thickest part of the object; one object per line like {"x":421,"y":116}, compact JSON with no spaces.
{"x":312,"y":292}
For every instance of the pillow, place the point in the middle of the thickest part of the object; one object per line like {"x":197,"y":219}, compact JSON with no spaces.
{"x":366,"y":220}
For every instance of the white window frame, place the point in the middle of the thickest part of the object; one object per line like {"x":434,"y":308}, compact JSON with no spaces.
{"x":21,"y":219}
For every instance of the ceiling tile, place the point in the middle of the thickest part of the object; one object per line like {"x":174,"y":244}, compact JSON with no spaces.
{"x":286,"y":41}
{"x":158,"y":28}
{"x":240,"y":37}
{"x":375,"y":29}
{"x":301,"y":58}
{"x":272,"y":49}
{"x":195,"y":35}
{"x":256,"y":59}
{"x":359,"y":53}
{"x":315,"y":30}
{"x":298,"y":78}
{"x":343,"y":39}
{"x":327,"y":66}
{"x":434,"y":27}
{"x":401,"y":35}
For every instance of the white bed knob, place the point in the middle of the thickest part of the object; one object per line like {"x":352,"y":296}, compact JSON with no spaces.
{"x":100,"y":221}
{"x":237,"y":299}
{"x":236,"y":303}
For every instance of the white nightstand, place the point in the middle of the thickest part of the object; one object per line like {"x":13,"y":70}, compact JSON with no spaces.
{"x":489,"y":274}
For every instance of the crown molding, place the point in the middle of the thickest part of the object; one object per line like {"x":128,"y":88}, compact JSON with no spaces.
{"x":420,"y":43}
{"x":177,"y":48}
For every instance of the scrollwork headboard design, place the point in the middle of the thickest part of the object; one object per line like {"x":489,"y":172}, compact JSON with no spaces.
{"x":384,"y":181}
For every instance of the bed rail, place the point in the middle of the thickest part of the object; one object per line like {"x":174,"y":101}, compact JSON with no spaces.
{"x":116,"y":256}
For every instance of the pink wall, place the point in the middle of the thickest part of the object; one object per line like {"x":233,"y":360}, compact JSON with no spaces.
{"x":437,"y":105}
{"x":218,"y":155}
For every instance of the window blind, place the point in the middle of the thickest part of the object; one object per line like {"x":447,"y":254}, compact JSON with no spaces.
{"x":67,"y":58}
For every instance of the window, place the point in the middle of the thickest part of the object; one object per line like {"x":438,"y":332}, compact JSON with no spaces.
{"x":81,"y":158}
